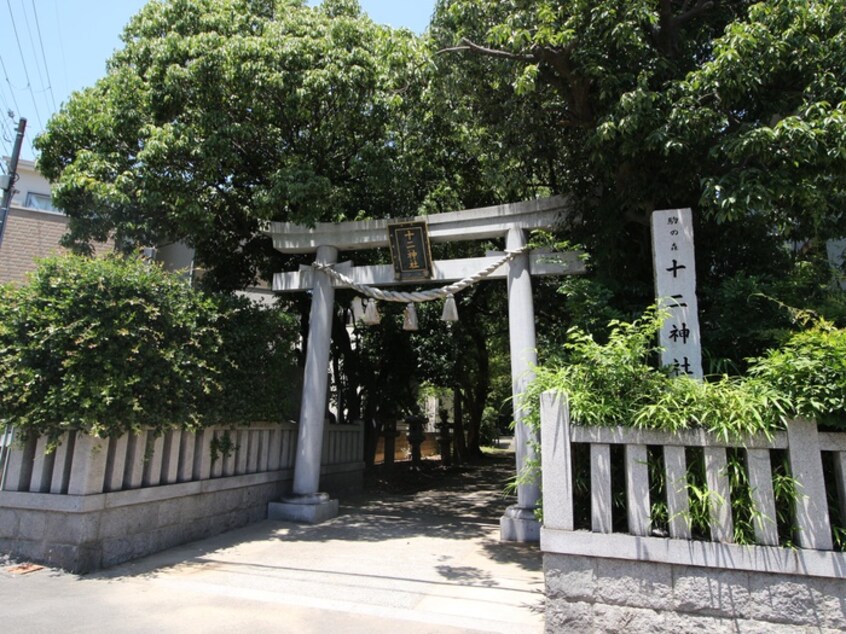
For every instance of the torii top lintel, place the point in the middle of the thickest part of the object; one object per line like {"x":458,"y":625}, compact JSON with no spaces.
{"x":470,"y":224}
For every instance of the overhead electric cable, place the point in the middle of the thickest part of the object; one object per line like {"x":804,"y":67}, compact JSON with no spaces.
{"x":4,"y":104}
{"x":7,"y":133}
{"x":23,"y":61}
{"x":44,"y":56}
{"x":6,"y":130}
{"x":6,"y":113}
{"x":11,"y":87}
{"x":40,"y":88}
{"x":61,"y":47}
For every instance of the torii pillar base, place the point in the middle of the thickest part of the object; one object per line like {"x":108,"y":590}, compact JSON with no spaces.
{"x":307,"y":509}
{"x":519,"y":525}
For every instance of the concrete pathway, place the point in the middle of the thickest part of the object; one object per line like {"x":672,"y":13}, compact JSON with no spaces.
{"x":428,"y":560}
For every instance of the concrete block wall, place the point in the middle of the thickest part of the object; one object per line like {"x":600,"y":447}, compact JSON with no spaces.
{"x":603,"y":594}
{"x":86,"y":533}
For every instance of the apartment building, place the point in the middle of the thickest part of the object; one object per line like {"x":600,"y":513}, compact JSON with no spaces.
{"x":34,"y":226}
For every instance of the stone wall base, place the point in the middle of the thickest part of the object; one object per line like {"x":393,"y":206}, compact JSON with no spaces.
{"x":600,"y":594}
{"x":84,"y":533}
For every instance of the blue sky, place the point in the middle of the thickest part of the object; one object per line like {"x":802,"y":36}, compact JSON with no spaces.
{"x":63,"y":45}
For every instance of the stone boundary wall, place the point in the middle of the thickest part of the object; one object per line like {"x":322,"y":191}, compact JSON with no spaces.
{"x":604,"y":594}
{"x":94,"y":503}
{"x":81,"y":533}
{"x":604,"y":576}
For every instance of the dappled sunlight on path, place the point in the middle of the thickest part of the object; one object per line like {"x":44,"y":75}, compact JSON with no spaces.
{"x":416,"y":552}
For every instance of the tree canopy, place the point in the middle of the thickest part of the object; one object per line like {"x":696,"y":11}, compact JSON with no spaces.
{"x":219,"y":114}
{"x":733,"y":108}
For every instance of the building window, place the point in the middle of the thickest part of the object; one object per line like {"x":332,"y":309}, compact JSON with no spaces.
{"x":42,"y":202}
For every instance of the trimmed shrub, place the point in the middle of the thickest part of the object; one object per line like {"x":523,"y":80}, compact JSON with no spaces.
{"x":115,"y":344}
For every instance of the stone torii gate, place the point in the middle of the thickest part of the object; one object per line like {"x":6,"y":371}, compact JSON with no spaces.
{"x":512,"y":222}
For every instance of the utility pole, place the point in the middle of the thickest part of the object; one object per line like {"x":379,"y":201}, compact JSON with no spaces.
{"x":8,"y":186}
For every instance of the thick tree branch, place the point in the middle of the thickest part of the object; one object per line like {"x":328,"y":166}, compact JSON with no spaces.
{"x":558,"y":59}
{"x":558,"y":72}
{"x":666,"y":12}
{"x":467,"y":45}
{"x":573,"y":86}
{"x":666,"y":33}
{"x":701,"y":6}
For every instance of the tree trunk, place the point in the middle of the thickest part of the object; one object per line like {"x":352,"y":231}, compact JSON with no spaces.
{"x":372,"y":429}
{"x":345,"y":365}
{"x":459,"y":444}
{"x":477,"y":395}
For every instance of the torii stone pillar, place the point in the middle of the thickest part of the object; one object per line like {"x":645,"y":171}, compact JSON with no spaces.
{"x":307,"y":504}
{"x":519,"y":522}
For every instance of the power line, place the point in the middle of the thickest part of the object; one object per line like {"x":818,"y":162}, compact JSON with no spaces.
{"x":61,"y":46}
{"x":6,"y":133}
{"x":11,"y":88}
{"x":23,"y":61}
{"x":4,"y":104}
{"x":41,"y":89}
{"x":5,"y":143}
{"x":7,"y":116}
{"x":44,"y":56}
{"x":5,"y":127}
{"x":6,"y":152}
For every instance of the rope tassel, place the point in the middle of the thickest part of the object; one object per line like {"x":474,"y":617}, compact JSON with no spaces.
{"x":371,"y":314}
{"x":409,"y":321}
{"x":450,"y":309}
{"x":357,"y":310}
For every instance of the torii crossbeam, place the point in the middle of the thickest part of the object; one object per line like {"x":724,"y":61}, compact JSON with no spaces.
{"x":328,"y":239}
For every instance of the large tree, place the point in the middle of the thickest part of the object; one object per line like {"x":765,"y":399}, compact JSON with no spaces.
{"x":220,"y":114}
{"x":737,"y":109}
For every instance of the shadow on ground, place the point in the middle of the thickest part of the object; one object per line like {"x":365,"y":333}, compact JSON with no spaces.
{"x":456,"y":503}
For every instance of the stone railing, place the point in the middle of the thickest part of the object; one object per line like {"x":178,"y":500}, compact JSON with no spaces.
{"x":85,"y":465}
{"x":674,"y":582}
{"x":342,"y":444}
{"x":93,"y":502}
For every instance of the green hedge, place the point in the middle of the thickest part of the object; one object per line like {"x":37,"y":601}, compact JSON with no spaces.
{"x":109,"y":345}
{"x":617,"y":383}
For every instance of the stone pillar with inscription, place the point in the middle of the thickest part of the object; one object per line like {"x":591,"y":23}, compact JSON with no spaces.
{"x":675,"y":291}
